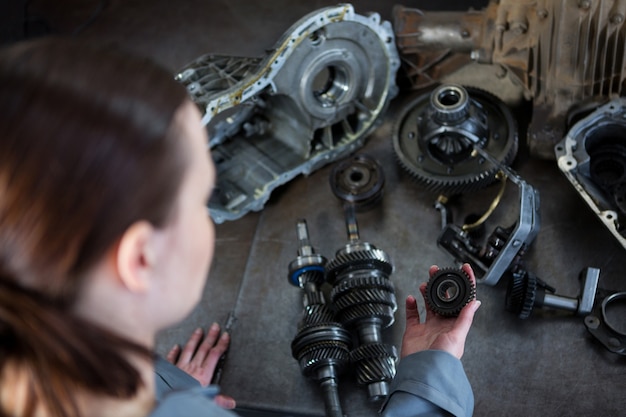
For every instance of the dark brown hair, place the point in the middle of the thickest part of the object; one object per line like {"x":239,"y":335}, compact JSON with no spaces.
{"x":87,"y":147}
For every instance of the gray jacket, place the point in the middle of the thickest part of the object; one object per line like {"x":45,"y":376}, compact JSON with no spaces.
{"x":428,"y":384}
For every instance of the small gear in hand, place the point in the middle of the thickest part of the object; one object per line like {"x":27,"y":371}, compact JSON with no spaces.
{"x":448,"y":291}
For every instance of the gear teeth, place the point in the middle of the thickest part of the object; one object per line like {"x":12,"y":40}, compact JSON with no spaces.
{"x":521,"y":293}
{"x":315,"y":314}
{"x":452,"y":183}
{"x":365,"y":296}
{"x":465,"y":291}
{"x":372,"y":284}
{"x":366,"y":259}
{"x":353,"y":314}
{"x":374,"y":362}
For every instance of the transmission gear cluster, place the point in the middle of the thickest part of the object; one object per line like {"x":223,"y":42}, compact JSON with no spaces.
{"x":348,"y":330}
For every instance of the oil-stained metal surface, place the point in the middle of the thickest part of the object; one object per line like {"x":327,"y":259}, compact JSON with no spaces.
{"x":312,"y":99}
{"x":564,"y":55}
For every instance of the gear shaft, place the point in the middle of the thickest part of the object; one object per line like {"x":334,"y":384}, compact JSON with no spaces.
{"x":365,"y":301}
{"x":322,"y":345}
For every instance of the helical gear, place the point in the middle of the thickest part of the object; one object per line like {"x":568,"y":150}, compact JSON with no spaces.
{"x":375,"y":360}
{"x":322,"y":345}
{"x":365,"y":301}
{"x":521,"y":293}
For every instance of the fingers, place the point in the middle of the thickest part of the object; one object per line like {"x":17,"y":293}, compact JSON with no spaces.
{"x":225,"y":401}
{"x":207,"y":344}
{"x":412,"y":314}
{"x":216,"y":352}
{"x":464,"y":321}
{"x":172,"y":355}
{"x":190,"y":347}
{"x":432,"y":270}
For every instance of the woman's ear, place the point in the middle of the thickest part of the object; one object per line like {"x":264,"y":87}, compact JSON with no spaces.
{"x":135,"y":256}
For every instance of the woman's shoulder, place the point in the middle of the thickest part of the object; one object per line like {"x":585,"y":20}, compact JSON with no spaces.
{"x":196,"y":402}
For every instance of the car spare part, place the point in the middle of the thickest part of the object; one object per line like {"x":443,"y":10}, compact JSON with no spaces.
{"x":359,"y":180}
{"x":365,"y":301}
{"x":437,"y":132}
{"x":593,"y":158}
{"x":322,"y":345}
{"x":525,"y":292}
{"x":312,"y":99}
{"x":505,"y":246}
{"x":448,"y":291}
{"x":607,"y":325}
{"x":562,"y":55}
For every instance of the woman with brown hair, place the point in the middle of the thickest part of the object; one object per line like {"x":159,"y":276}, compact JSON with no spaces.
{"x":105,"y":239}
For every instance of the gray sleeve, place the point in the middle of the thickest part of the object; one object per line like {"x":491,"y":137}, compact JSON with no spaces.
{"x":197,"y":402}
{"x":170,"y":378}
{"x":430,"y":383}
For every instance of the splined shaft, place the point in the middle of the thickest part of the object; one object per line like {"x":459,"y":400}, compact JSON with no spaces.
{"x":365,"y":301}
{"x":322,"y":345}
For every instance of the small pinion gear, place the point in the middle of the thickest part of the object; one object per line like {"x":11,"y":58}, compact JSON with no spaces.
{"x":521,"y":293}
{"x":448,"y":291}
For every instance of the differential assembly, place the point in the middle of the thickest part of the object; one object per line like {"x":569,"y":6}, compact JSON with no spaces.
{"x":311,"y":100}
{"x":322,"y":346}
{"x":437,"y":133}
{"x":365,"y":301}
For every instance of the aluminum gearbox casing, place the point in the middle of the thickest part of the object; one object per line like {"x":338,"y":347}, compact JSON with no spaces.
{"x":593,"y":158}
{"x":312,"y":99}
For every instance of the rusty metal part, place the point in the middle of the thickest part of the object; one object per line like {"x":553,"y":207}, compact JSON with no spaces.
{"x":564,"y":55}
{"x":312,"y":99}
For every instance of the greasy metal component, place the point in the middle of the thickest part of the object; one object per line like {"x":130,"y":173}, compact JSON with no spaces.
{"x":593,"y":158}
{"x":436,"y":134}
{"x":312,"y":99}
{"x":560,"y":54}
{"x":448,"y":291}
{"x":322,"y":346}
{"x":504,"y":247}
{"x":365,"y":301}
{"x":525,"y":292}
{"x":359,"y":180}
{"x":604,"y":328}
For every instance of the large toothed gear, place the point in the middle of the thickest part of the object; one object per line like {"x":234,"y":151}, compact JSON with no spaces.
{"x":363,"y":256}
{"x":448,"y":291}
{"x":362,"y":298}
{"x":375,"y":364}
{"x":436,"y":134}
{"x":321,"y":345}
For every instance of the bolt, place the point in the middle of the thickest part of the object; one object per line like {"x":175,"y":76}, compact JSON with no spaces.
{"x":584,"y":4}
